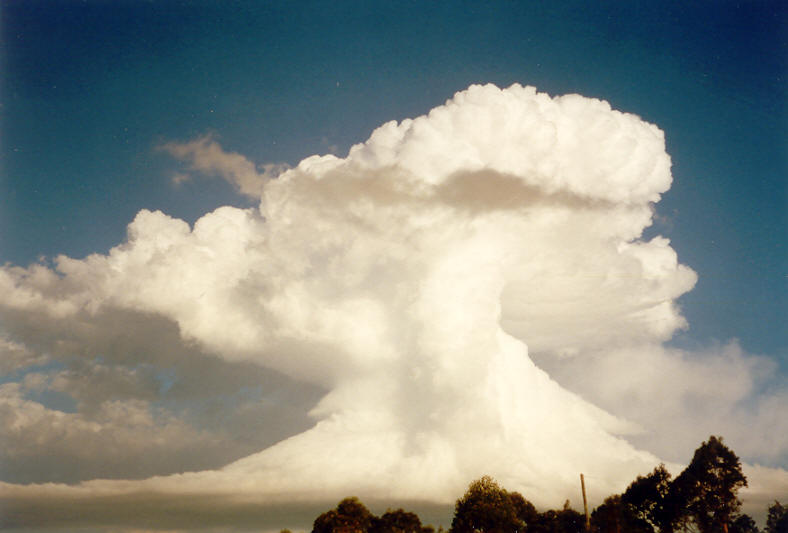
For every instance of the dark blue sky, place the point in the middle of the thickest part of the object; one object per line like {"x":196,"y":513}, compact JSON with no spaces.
{"x":88,"y":89}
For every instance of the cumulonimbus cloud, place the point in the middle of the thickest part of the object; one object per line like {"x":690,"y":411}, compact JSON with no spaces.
{"x":414,"y":280}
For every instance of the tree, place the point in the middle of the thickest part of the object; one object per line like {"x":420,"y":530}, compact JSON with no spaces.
{"x":708,"y":486}
{"x":350,"y":516}
{"x":613,"y":516}
{"x":777,"y":520}
{"x":650,"y":503}
{"x":523,"y":509}
{"x":564,"y":521}
{"x":486,"y":507}
{"x":743,"y":524}
{"x":399,"y":521}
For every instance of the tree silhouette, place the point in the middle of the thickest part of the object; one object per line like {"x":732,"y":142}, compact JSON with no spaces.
{"x":486,"y":507}
{"x":743,"y":524}
{"x":350,"y":516}
{"x":564,"y":521}
{"x":777,"y":520}
{"x":398,"y":521}
{"x":614,"y":516}
{"x":523,"y":509}
{"x":708,"y":486}
{"x":650,"y":502}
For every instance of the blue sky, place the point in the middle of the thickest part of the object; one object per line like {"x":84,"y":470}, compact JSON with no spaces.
{"x":90,"y":90}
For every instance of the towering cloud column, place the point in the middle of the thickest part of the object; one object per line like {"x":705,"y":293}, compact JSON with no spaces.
{"x":398,"y":259}
{"x":410,"y":280}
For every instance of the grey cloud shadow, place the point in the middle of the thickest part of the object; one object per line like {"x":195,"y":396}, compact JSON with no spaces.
{"x":159,"y":511}
{"x":472,"y":191}
{"x":491,"y":190}
{"x":238,"y":407}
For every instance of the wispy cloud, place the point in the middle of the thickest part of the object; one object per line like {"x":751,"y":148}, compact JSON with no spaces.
{"x":206,"y":156}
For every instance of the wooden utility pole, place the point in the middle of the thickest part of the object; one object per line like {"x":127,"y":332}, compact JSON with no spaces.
{"x":585,"y":502}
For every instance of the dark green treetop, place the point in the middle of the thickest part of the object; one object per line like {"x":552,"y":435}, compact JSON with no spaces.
{"x":397,"y":521}
{"x":486,"y":507}
{"x":708,"y":487}
{"x":777,"y":520}
{"x":613,"y":516}
{"x":743,"y":524}
{"x":651,"y":503}
{"x":350,"y":516}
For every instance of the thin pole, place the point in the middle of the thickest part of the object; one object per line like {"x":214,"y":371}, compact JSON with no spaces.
{"x":585,"y":502}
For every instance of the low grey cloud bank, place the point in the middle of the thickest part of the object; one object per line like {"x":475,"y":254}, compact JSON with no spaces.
{"x":119,"y":395}
{"x":407,"y":289}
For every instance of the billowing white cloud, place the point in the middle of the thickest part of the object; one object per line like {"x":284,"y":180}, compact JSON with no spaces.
{"x":416,"y":281}
{"x":206,"y":156}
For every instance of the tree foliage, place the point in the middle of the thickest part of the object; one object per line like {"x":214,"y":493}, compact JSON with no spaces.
{"x":564,"y":521}
{"x":398,"y":521}
{"x":708,"y":486}
{"x":777,"y":520}
{"x":650,"y":502}
{"x":743,"y":524}
{"x":486,"y":507}
{"x":614,"y":516}
{"x":350,"y":516}
{"x":523,"y":509}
